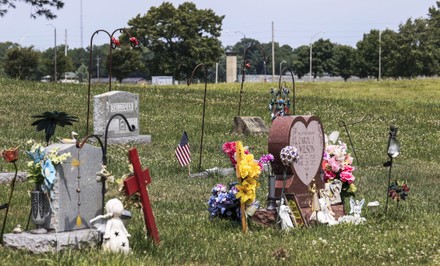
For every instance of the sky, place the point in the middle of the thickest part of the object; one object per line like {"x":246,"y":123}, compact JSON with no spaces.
{"x":295,"y":22}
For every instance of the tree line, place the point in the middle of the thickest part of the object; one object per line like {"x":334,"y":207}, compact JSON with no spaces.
{"x":175,"y":39}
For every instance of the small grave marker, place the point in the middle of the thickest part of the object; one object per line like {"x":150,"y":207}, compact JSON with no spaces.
{"x":249,"y":125}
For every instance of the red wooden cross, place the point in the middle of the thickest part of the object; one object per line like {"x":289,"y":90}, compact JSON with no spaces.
{"x":138,"y":183}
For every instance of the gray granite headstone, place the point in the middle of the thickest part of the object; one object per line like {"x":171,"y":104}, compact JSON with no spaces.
{"x":107,"y":105}
{"x":69,"y":177}
{"x":116,"y":102}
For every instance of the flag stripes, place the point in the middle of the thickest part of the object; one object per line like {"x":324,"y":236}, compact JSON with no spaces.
{"x":183,"y":152}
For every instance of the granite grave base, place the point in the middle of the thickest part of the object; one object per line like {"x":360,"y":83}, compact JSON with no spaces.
{"x":267,"y":217}
{"x":139,"y":139}
{"x":51,"y":242}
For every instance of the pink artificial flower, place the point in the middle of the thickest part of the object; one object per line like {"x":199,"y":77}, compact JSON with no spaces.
{"x":267,"y":158}
{"x":329,"y":175}
{"x":348,"y":168}
{"x":346,"y":176}
{"x":348,"y":159}
{"x":334,"y":164}
{"x":229,"y":147}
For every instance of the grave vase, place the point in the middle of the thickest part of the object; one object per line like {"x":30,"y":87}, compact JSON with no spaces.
{"x":39,"y":211}
{"x":271,"y":200}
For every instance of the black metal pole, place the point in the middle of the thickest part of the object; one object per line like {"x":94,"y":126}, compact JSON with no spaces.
{"x":243,"y":72}
{"x":9,"y":202}
{"x":389,"y":183}
{"x":90,"y":74}
{"x":204,"y":108}
{"x":293,"y":88}
{"x":343,"y":124}
{"x":113,"y":46}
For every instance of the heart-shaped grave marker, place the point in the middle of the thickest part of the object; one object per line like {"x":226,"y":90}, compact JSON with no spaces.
{"x":308,"y":137}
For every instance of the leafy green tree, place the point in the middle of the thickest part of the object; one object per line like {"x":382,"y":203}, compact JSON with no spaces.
{"x":82,"y":73}
{"x":4,"y":47}
{"x":180,"y":38}
{"x":409,"y":57}
{"x":79,"y":56}
{"x":322,"y":52}
{"x":342,"y":61}
{"x":125,"y":61}
{"x":64,"y":64}
{"x":367,"y":59}
{"x":256,"y":56}
{"x":99,"y":63}
{"x":301,"y":62}
{"x":283,"y":53}
{"x":40,"y":7}
{"x":21,"y":63}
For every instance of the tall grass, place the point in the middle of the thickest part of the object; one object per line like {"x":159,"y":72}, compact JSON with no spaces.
{"x":408,"y":234}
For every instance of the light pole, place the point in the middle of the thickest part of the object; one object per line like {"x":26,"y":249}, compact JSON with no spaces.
{"x":55,"y":47}
{"x":311,"y":40}
{"x":380,"y":55}
{"x":281,"y":64}
{"x":244,"y":35}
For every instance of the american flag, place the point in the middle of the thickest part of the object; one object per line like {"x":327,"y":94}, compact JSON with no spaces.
{"x":183,"y":153}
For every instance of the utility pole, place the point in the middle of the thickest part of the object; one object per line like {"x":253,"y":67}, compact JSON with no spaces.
{"x":273,"y":53}
{"x":65,"y":42}
{"x":216,"y":72}
{"x":55,"y":47}
{"x":380,"y":55}
{"x":97,"y":67}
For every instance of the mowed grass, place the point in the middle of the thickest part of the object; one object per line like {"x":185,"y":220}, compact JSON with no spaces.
{"x":408,"y":234}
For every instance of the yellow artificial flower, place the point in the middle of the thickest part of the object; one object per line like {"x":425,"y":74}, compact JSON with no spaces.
{"x":246,"y":197}
{"x":352,"y":188}
{"x":247,"y":170}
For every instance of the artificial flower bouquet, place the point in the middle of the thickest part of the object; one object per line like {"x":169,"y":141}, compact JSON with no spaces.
{"x":398,"y":190}
{"x":247,"y":170}
{"x":337,"y":166}
{"x":223,"y":202}
{"x":41,"y":167}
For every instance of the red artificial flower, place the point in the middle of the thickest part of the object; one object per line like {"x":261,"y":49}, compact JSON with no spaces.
{"x":134,"y":42}
{"x":116,"y":42}
{"x":247,"y":65}
{"x":10,"y":155}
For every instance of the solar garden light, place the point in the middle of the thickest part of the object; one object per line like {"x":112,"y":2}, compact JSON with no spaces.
{"x":393,"y":151}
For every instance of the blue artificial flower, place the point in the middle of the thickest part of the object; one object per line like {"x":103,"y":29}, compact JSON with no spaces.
{"x":48,"y":171}
{"x":37,"y":155}
{"x":223,"y":203}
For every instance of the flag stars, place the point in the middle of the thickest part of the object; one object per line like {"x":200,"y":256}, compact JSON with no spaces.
{"x":123,"y":244}
{"x":116,"y":233}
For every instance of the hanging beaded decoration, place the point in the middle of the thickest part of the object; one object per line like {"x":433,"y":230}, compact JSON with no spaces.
{"x":76,"y":163}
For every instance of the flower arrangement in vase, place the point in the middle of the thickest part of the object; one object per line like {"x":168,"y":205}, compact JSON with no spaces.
{"x":337,"y":166}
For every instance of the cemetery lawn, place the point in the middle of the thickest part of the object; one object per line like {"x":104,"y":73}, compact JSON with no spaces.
{"x":408,"y":234}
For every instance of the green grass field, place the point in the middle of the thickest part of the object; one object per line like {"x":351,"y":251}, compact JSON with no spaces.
{"x":408,"y":234}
